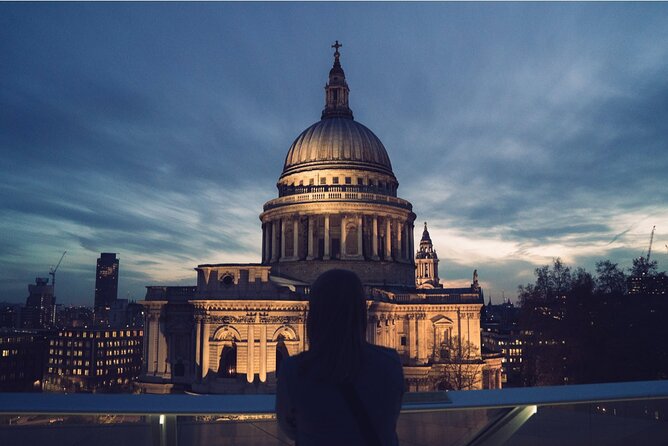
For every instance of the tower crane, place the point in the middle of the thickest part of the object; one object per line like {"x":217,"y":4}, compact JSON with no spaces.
{"x":651,"y":239}
{"x":52,"y":272}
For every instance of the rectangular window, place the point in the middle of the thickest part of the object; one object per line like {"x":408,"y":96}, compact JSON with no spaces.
{"x":403,"y":341}
{"x":323,"y":180}
{"x":335,"y":180}
{"x":349,"y":180}
{"x":311,"y":182}
{"x":360,"y":181}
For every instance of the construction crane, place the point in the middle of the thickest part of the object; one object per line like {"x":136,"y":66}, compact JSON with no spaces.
{"x":52,"y":273}
{"x":651,"y":239}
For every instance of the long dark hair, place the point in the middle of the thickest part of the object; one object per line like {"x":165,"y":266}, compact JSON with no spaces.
{"x":336,"y":325}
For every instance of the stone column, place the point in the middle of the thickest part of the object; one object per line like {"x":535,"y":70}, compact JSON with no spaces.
{"x":373,"y":327}
{"x":274,"y":240}
{"x":311,"y":222}
{"x":264,"y":237}
{"x":250,"y":366}
{"x":407,"y":235}
{"x":411,"y":255}
{"x":410,"y":337}
{"x":145,"y":346}
{"x":205,"y":347}
{"x":155,"y":333}
{"x":266,"y":256}
{"x":263,"y":352}
{"x":399,"y":250}
{"x":390,"y":334}
{"x":282,"y":256}
{"x":198,"y":347}
{"x":360,"y":252}
{"x":326,"y":253}
{"x":149,"y":344}
{"x":295,"y":238}
{"x":388,"y":240}
{"x":422,"y":352}
{"x":163,"y":354}
{"x":344,"y":236}
{"x":374,"y":239}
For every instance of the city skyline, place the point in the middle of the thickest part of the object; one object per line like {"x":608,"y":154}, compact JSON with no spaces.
{"x":520,"y":132}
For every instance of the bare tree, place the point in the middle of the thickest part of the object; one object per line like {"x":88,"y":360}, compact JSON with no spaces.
{"x":460,"y":363}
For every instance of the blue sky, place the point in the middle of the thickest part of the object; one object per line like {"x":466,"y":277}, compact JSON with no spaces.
{"x":519,"y":131}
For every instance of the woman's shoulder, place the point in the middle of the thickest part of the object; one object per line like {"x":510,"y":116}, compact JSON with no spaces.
{"x":385,"y":355}
{"x":292,"y":364}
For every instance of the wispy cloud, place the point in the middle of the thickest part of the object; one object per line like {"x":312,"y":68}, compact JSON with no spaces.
{"x":521,"y":132}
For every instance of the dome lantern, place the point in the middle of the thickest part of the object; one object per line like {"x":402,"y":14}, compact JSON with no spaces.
{"x":336,"y":90}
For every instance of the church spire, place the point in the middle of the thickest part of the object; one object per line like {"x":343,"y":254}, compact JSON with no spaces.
{"x":336,"y":90}
{"x":425,"y":243}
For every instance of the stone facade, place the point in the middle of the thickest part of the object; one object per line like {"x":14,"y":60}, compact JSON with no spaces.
{"x":337,"y":208}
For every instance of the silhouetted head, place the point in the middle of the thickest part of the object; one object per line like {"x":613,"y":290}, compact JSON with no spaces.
{"x":336,"y":324}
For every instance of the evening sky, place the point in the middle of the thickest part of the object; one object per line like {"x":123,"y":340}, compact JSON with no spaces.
{"x":520,"y":132}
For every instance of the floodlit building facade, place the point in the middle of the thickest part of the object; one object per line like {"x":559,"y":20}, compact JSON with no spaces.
{"x":337,"y":207}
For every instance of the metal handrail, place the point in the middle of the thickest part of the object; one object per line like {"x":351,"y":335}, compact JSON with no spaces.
{"x":47,"y":403}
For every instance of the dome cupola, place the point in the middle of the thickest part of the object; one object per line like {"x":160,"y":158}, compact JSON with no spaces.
{"x":337,"y":204}
{"x":336,"y":90}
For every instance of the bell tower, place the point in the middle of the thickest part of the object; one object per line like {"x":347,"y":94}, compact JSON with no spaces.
{"x":426,"y":263}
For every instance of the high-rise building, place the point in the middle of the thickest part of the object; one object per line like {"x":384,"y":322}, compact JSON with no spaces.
{"x":106,"y":286}
{"x":39,"y":311}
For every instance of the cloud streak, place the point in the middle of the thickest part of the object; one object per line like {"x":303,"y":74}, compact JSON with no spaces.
{"x":521,"y":132}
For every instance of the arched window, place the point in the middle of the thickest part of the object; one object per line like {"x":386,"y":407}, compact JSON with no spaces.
{"x":227,"y":368}
{"x":281,"y":352}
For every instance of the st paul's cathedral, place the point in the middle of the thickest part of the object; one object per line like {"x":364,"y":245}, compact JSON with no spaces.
{"x":337,"y":207}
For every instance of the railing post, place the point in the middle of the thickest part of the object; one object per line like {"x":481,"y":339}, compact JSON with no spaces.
{"x":164,"y":430}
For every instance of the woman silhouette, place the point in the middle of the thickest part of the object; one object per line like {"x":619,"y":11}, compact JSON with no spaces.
{"x":343,"y":390}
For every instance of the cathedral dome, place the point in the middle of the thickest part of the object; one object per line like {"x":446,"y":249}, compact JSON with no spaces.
{"x":337,"y":141}
{"x":337,"y":204}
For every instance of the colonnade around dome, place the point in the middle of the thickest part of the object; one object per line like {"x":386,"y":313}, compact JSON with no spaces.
{"x":337,"y":236}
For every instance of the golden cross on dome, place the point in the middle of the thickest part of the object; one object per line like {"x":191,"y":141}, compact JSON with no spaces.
{"x":336,"y":47}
